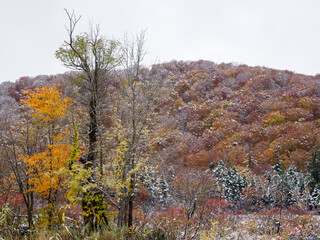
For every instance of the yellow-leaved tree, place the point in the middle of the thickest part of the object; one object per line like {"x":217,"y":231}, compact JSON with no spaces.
{"x":49,"y":111}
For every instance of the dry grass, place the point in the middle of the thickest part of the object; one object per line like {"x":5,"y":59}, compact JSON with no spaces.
{"x":267,"y":224}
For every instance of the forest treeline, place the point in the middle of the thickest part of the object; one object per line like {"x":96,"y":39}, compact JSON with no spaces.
{"x":163,"y":151}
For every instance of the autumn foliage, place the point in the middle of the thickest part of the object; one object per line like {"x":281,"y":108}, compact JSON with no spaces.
{"x":47,"y":167}
{"x":263,"y":124}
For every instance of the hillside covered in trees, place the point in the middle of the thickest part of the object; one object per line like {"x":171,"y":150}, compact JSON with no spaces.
{"x":215,"y":112}
{"x":214,"y":139}
{"x":114,"y":149}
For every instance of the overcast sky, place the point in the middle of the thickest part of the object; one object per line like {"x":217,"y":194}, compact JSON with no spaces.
{"x":282,"y":34}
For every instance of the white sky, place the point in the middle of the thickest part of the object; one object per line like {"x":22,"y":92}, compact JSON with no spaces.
{"x":282,"y":34}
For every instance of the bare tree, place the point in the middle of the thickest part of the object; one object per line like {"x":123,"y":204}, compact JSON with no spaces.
{"x":138,"y":101}
{"x":192,"y":188}
{"x":18,"y":137}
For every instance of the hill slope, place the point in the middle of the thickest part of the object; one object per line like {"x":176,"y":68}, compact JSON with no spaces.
{"x":243,"y":115}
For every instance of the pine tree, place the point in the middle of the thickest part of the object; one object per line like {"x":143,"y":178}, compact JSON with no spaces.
{"x":234,"y":184}
{"x":314,"y":167}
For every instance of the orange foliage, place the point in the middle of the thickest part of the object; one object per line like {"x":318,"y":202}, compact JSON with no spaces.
{"x":299,"y":158}
{"x":47,"y":104}
{"x":201,"y":159}
{"x":45,"y":168}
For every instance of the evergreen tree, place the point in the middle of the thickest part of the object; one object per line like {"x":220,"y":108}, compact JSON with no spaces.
{"x":314,"y":167}
{"x":234,"y":183}
{"x":286,"y":187}
{"x":230,"y":181}
{"x":314,"y":198}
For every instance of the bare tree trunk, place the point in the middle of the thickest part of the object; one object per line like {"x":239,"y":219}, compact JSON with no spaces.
{"x":93,"y":130}
{"x":30,"y":218}
{"x":29,"y":206}
{"x":50,"y":214}
{"x":93,"y":201}
{"x":131,"y":200}
{"x":122,"y":211}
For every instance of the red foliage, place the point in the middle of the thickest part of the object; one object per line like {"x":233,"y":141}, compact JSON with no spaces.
{"x":143,"y":196}
{"x":11,"y":199}
{"x":174,"y":212}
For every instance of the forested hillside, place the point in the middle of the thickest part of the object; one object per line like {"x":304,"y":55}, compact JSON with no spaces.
{"x":217,"y":112}
{"x":179,"y":146}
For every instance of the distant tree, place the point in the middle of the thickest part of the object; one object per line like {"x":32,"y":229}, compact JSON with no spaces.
{"x":314,"y":198}
{"x":219,"y":173}
{"x":234,"y":185}
{"x":22,"y":84}
{"x":286,"y":187}
{"x":314,"y":168}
